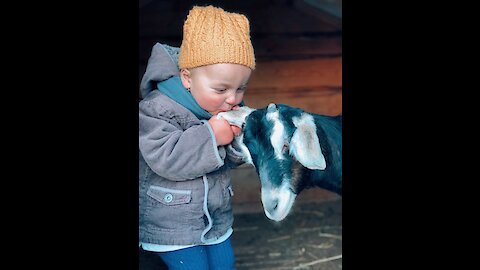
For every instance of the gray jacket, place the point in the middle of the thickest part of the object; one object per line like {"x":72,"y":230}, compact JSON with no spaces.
{"x":185,"y":188}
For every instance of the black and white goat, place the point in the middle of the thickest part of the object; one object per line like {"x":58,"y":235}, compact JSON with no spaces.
{"x":291,"y":150}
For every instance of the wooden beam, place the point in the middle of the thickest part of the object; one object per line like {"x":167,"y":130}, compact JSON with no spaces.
{"x":298,"y":73}
{"x":278,"y":47}
{"x":329,"y":12}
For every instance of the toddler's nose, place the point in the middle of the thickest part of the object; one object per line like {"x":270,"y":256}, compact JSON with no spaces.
{"x":231,"y":99}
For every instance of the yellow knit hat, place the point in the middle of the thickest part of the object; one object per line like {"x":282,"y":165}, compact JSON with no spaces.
{"x":212,"y":35}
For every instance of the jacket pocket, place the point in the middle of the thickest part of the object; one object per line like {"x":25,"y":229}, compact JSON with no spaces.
{"x":169,"y":196}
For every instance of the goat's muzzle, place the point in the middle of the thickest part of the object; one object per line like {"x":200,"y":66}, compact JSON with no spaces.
{"x":277,"y":202}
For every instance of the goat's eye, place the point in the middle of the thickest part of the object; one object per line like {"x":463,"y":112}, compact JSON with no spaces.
{"x":285,"y":147}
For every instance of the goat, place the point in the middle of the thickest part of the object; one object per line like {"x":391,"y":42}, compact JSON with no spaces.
{"x":291,"y":150}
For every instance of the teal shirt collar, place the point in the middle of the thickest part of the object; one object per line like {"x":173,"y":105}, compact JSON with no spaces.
{"x":174,"y":89}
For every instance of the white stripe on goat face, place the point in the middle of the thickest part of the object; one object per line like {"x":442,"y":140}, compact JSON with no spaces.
{"x":278,"y":137}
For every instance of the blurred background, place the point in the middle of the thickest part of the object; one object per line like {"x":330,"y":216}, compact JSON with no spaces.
{"x":298,"y":51}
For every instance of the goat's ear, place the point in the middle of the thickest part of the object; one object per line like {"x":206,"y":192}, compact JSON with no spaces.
{"x":304,"y":145}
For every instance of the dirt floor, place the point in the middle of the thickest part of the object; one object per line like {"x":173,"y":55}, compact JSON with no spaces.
{"x":309,"y":238}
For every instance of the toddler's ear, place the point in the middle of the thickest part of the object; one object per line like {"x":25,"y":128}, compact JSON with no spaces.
{"x":185,"y":77}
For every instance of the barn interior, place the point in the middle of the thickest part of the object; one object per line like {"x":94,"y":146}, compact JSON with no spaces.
{"x":298,"y":50}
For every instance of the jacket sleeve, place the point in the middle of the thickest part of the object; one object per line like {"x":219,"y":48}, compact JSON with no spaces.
{"x":175,"y":153}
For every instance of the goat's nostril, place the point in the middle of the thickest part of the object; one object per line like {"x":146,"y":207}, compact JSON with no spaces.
{"x":273,"y":206}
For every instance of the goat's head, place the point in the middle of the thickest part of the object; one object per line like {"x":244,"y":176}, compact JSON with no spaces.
{"x":279,"y":141}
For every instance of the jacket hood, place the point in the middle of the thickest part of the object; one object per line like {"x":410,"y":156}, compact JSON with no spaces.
{"x":162,"y":64}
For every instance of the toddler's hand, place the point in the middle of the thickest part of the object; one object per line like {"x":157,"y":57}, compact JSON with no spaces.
{"x":236,"y":130}
{"x":222,"y":130}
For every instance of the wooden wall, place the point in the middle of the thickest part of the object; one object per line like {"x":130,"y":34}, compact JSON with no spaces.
{"x":311,"y":84}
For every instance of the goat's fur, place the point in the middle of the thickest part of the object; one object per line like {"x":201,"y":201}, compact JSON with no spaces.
{"x":291,"y":150}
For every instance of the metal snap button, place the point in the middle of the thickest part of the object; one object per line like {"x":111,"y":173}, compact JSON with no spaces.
{"x":168,"y":198}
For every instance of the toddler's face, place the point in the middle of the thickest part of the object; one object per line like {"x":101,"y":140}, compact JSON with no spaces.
{"x":217,"y":87}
